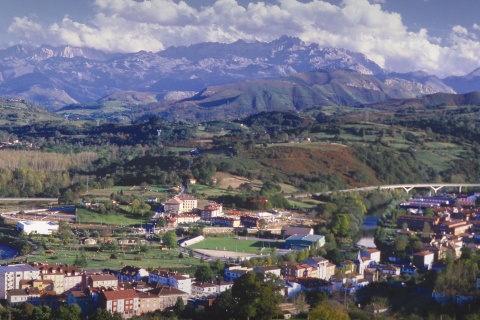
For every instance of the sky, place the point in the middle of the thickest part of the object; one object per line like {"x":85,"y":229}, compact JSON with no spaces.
{"x":440,"y":37}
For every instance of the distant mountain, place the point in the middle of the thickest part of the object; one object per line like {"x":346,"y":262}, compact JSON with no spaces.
{"x":465,"y":84}
{"x":297,"y":92}
{"x":59,"y":76}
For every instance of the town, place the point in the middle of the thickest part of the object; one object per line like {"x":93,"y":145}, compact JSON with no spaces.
{"x":432,"y":232}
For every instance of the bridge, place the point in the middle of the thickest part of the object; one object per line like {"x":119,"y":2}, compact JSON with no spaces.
{"x":407,"y":187}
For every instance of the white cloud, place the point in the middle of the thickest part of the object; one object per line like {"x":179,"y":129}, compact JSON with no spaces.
{"x":358,"y":25}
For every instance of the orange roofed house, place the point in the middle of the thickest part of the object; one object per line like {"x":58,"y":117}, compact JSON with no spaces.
{"x":125,"y":302}
{"x":180,"y":204}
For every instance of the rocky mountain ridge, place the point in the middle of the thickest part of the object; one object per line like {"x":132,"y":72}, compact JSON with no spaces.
{"x":57,"y":76}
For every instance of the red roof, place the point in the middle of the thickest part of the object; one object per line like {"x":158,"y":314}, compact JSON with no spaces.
{"x":120,"y":294}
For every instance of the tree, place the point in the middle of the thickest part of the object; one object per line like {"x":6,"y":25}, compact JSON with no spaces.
{"x":170,"y":239}
{"x":203,"y":273}
{"x":42,"y":313}
{"x":64,"y":232}
{"x":72,"y":312}
{"x":257,"y":295}
{"x":326,"y":311}
{"x":179,"y":306}
{"x":341,"y":225}
{"x":80,"y":259}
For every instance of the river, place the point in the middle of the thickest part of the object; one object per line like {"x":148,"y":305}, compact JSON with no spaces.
{"x":7,"y":252}
{"x":368,"y":231}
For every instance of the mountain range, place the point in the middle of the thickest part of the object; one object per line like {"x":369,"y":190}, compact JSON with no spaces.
{"x":208,"y":80}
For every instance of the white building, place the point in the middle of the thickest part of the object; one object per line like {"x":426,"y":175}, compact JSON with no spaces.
{"x":11,"y":275}
{"x":38,"y":227}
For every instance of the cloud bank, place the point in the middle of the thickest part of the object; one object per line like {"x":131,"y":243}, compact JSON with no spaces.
{"x":357,"y":25}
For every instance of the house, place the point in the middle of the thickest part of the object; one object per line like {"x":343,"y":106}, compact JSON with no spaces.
{"x":65,"y":277}
{"x":81,"y":299}
{"x":180,"y":204}
{"x":312,"y":284}
{"x":99,"y":280}
{"x":185,"y":218}
{"x":226,"y":221}
{"x":18,"y":296}
{"x":249,"y":221}
{"x":325,"y":268}
{"x":11,"y":275}
{"x":168,"y":296}
{"x":235,"y":272}
{"x":87,"y":241}
{"x":372,"y":254}
{"x":147,"y":302}
{"x":268,"y":269}
{"x":125,"y":302}
{"x":130,"y":241}
{"x":130,"y":274}
{"x":298,"y":270}
{"x":37,"y":283}
{"x":171,"y":279}
{"x":203,"y":288}
{"x":301,"y":241}
{"x":211,"y":210}
{"x":423,"y":260}
{"x":391,"y":270}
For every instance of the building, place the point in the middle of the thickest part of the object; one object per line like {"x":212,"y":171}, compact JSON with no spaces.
{"x":125,"y":302}
{"x":290,"y":231}
{"x":372,"y":254}
{"x":168,"y":296}
{"x":180,"y":204}
{"x":235,"y":272}
{"x":200,"y":289}
{"x":226,"y":221}
{"x":249,"y":221}
{"x":99,"y":280}
{"x":423,"y":260}
{"x":81,"y":299}
{"x":211,"y":210}
{"x":301,"y":241}
{"x":130,"y":274}
{"x":191,"y":241}
{"x":65,"y":277}
{"x":416,"y":222}
{"x":18,"y":296}
{"x":186,"y":218}
{"x":37,"y":226}
{"x":268,"y":269}
{"x":12,"y":275}
{"x":299,"y":270}
{"x":147,"y":302}
{"x":324,"y":267}
{"x":171,"y":279}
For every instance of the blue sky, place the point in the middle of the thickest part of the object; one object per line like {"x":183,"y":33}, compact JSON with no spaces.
{"x":437,"y":36}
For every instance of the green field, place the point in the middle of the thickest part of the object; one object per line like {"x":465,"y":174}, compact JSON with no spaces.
{"x":154,"y":258}
{"x":234,"y":244}
{"x":87,"y":216}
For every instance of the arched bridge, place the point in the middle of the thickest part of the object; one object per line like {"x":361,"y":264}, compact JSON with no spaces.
{"x":407,"y":187}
